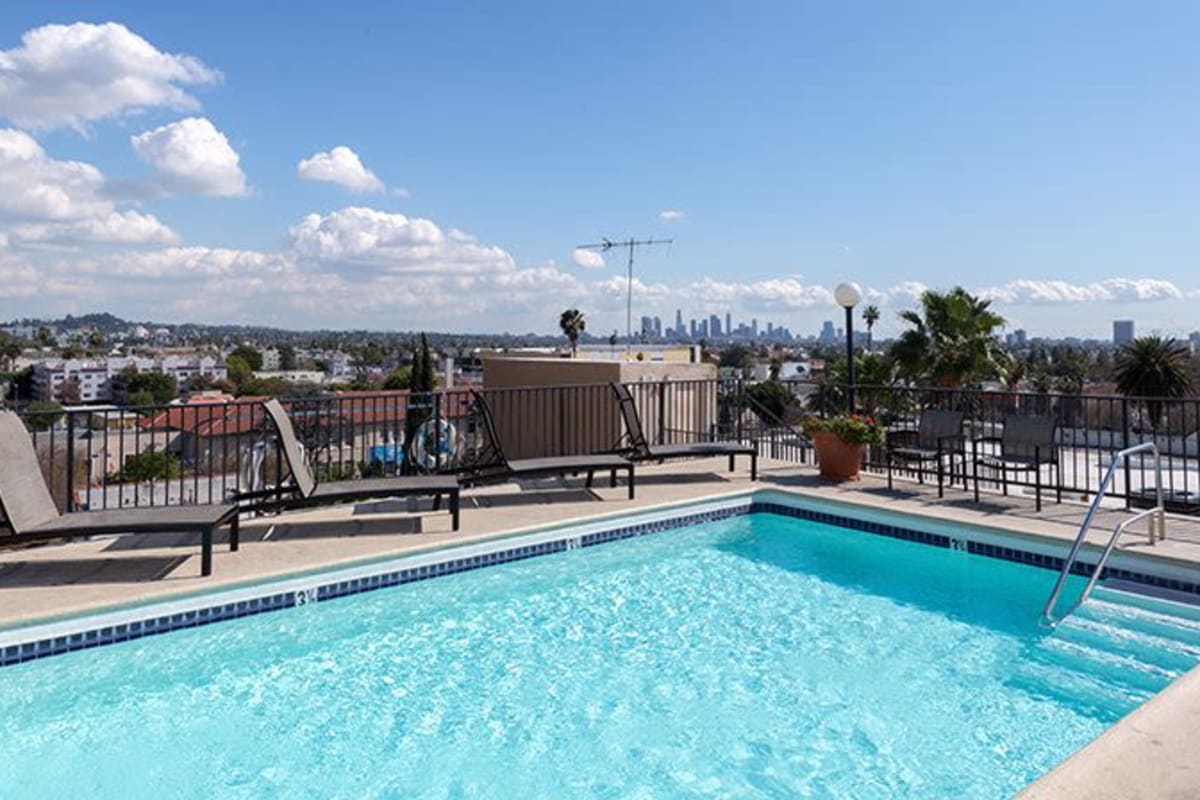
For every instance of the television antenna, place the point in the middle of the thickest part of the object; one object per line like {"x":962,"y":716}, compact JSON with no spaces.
{"x":631,"y":244}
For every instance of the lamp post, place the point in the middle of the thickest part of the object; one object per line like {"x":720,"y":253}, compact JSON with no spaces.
{"x":848,"y":295}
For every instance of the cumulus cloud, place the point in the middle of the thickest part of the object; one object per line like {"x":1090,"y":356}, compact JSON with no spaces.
{"x":64,"y":202}
{"x":116,"y":227}
{"x":34,"y":186}
{"x":70,"y":75}
{"x":342,"y":166}
{"x":192,"y":156}
{"x":1119,"y":290}
{"x":359,"y":237}
{"x":766,"y":295}
{"x":672,"y":215}
{"x":588,"y":259}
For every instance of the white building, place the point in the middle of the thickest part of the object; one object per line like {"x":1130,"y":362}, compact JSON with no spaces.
{"x":95,"y":382}
{"x":270,"y":359}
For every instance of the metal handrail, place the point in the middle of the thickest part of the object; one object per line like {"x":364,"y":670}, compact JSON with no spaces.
{"x":1159,"y":512}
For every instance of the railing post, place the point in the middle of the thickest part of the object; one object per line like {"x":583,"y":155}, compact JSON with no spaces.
{"x":1125,"y":446}
{"x":70,"y":500}
{"x":663,"y":413}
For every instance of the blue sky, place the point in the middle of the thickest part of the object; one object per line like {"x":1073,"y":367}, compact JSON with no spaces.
{"x":1043,"y":153}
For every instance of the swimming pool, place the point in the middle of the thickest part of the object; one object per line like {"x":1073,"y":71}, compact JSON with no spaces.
{"x":754,"y":656}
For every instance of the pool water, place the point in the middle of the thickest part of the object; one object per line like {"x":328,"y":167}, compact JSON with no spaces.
{"x":760,"y":656}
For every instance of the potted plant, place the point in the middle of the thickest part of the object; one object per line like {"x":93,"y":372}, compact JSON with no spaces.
{"x":840,"y":442}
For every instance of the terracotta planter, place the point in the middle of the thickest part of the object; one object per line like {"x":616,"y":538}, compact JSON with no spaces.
{"x":839,"y":461}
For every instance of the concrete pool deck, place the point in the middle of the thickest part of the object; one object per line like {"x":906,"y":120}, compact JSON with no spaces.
{"x":1151,"y":753}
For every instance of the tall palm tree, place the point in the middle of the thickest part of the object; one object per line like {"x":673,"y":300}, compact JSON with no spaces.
{"x":952,"y":341}
{"x":870,"y":317}
{"x":572,"y":324}
{"x":1151,"y":367}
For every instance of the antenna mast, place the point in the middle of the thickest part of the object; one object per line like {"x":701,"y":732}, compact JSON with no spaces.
{"x":631,"y":244}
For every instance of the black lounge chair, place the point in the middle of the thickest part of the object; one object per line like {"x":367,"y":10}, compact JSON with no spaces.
{"x":1027,"y":444}
{"x":306,"y":491}
{"x":32,"y":515}
{"x":495,"y":465}
{"x":634,"y":441}
{"x":939,"y":434}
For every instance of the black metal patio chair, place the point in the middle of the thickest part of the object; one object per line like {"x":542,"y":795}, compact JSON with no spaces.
{"x":939,"y":435}
{"x":1026,"y":444}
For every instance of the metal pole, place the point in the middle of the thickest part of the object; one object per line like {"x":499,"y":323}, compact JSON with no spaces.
{"x":850,"y":359}
{"x":629,"y":298}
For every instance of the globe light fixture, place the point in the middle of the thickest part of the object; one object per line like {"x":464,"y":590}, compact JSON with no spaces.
{"x":848,"y":295}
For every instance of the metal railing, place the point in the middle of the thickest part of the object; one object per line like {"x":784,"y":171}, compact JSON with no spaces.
{"x":1156,"y":513}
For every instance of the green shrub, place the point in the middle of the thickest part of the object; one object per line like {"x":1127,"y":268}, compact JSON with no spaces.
{"x":150,"y":465}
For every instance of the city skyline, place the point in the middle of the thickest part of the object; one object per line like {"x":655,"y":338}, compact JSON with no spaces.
{"x":225,"y":187}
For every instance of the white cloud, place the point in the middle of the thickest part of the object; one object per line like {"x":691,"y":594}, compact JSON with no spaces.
{"x":359,"y":237}
{"x":64,"y":202}
{"x":70,"y":75}
{"x":773,"y":294}
{"x":192,"y":156}
{"x":588,"y":259}
{"x":116,"y":227}
{"x":1050,"y":292}
{"x":342,"y":166}
{"x":34,"y":186}
{"x":672,"y":215}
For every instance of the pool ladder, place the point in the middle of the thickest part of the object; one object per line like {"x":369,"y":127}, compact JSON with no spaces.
{"x":1157,"y":530}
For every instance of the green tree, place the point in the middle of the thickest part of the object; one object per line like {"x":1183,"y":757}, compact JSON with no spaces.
{"x":951,"y":342}
{"x":249,"y":355}
{"x":287,"y":357}
{"x":399,"y":379}
{"x":1151,"y":368}
{"x":238,"y":370}
{"x":870,"y":316}
{"x":157,"y":387}
{"x":572,"y":324}
{"x":739,"y":357}
{"x":10,"y":351}
{"x":771,"y":401}
{"x":43,"y":415}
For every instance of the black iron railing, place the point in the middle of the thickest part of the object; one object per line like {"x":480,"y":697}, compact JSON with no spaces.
{"x":205,"y":452}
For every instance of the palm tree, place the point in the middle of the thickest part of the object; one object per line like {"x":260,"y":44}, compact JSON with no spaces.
{"x":1151,"y":368}
{"x":572,"y":324}
{"x":870,"y":317}
{"x":951,"y":342}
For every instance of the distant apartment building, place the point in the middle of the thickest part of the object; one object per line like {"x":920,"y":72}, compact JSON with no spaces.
{"x":99,"y":380}
{"x":828,"y":333}
{"x":1122,"y":331}
{"x":270,"y":359}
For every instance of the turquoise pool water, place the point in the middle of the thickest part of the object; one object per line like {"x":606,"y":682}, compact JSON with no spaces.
{"x":760,"y":656}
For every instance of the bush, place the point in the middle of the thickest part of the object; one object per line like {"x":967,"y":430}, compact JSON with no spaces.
{"x":149,"y":466}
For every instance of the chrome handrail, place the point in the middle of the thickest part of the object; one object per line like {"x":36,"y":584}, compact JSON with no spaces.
{"x":1159,"y":512}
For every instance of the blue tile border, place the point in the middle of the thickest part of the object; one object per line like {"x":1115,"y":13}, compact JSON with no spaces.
{"x":111,"y":634}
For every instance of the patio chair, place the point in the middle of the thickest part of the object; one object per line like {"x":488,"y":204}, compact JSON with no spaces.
{"x":939,"y":434}
{"x":32,"y":515}
{"x":1026,"y":444}
{"x":495,"y":465}
{"x":634,"y":441}
{"x":306,"y":491}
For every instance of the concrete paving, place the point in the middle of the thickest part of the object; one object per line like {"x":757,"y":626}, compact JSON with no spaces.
{"x":1153,"y":747}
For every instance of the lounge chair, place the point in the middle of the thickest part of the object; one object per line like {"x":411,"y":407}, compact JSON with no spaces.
{"x":495,"y":465}
{"x":634,"y":441}
{"x":1027,"y":444}
{"x":939,"y":434}
{"x":32,"y":515}
{"x":306,"y":491}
